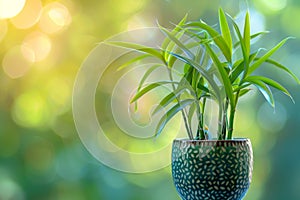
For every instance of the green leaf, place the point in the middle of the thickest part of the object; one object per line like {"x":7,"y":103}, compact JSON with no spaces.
{"x":244,"y":91}
{"x":225,"y":29}
{"x":141,"y":48}
{"x":202,"y":87}
{"x":170,"y":114}
{"x":177,"y":42}
{"x":265,"y":57}
{"x":244,"y":48}
{"x":255,"y":35}
{"x":168,"y":99}
{"x":191,"y":113}
{"x":237,"y":70}
{"x":167,"y":40}
{"x":136,"y":59}
{"x":147,"y":74}
{"x":224,"y":76}
{"x":280,"y":66}
{"x":247,"y":34}
{"x":241,"y":87}
{"x":239,"y":66}
{"x":218,"y":39}
{"x":150,"y":87}
{"x":172,"y":47}
{"x":269,"y":82}
{"x":216,"y":91}
{"x":176,"y":50}
{"x":264,"y":89}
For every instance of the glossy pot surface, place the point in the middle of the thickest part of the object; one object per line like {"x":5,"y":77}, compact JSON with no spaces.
{"x":212,"y":169}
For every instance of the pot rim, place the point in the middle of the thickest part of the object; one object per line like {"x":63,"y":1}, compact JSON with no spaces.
{"x":213,"y":140}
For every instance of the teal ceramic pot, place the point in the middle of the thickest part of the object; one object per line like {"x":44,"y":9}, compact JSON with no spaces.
{"x":212,"y":169}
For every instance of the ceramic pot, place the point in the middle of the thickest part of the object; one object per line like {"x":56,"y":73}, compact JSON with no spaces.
{"x":212,"y":169}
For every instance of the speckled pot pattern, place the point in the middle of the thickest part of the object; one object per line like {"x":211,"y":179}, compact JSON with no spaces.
{"x":206,"y":170}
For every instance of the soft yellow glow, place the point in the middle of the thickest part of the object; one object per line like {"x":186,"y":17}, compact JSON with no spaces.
{"x":130,"y":6}
{"x":31,"y":110}
{"x":289,"y":16}
{"x":59,"y":92}
{"x":10,"y":8}
{"x":29,"y":16}
{"x":136,"y":22}
{"x":3,"y":29}
{"x":39,"y":45}
{"x":14,"y":64}
{"x":55,"y":17}
{"x":272,"y":5}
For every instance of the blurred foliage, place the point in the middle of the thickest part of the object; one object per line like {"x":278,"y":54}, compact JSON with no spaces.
{"x":42,"y":48}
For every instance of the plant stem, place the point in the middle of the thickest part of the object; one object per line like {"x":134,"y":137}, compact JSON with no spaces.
{"x":188,"y":129}
{"x":232,"y":115}
{"x":224,"y":121}
{"x":202,"y":118}
{"x":200,"y":131}
{"x":220,"y":119}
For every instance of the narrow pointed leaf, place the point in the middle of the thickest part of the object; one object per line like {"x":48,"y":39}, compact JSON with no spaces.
{"x":168,"y":99}
{"x":247,"y":34}
{"x":205,"y":74}
{"x":172,"y":59}
{"x":134,"y":60}
{"x":241,"y":87}
{"x":147,"y":74}
{"x":145,"y":49}
{"x":167,"y":40}
{"x":253,"y":36}
{"x":177,"y":42}
{"x":239,"y":66}
{"x":150,"y":87}
{"x":170,"y":114}
{"x":237,"y":71}
{"x":265,"y":90}
{"x":218,"y":39}
{"x":191,"y":113}
{"x":244,"y":48}
{"x":265,"y":57}
{"x":225,"y":29}
{"x":202,"y":87}
{"x":244,"y":91}
{"x":271,"y":83}
{"x":224,"y":76}
{"x":280,"y":66}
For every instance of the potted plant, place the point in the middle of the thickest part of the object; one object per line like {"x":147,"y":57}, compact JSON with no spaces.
{"x":217,"y":64}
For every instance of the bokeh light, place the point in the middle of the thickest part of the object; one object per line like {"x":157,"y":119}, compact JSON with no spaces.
{"x":32,"y":110}
{"x":14,"y":63}
{"x":289,"y":16}
{"x":273,"y":5}
{"x":272,"y":119}
{"x":38,"y":44}
{"x":55,"y":17}
{"x":3,"y":29}
{"x":59,"y":93}
{"x":29,"y":16}
{"x":10,"y":8}
{"x":9,"y":188}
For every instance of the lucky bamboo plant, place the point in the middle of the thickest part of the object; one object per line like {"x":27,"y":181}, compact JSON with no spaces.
{"x":218,"y":63}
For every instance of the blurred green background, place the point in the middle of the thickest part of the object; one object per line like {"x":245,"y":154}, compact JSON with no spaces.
{"x":42,"y":45}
